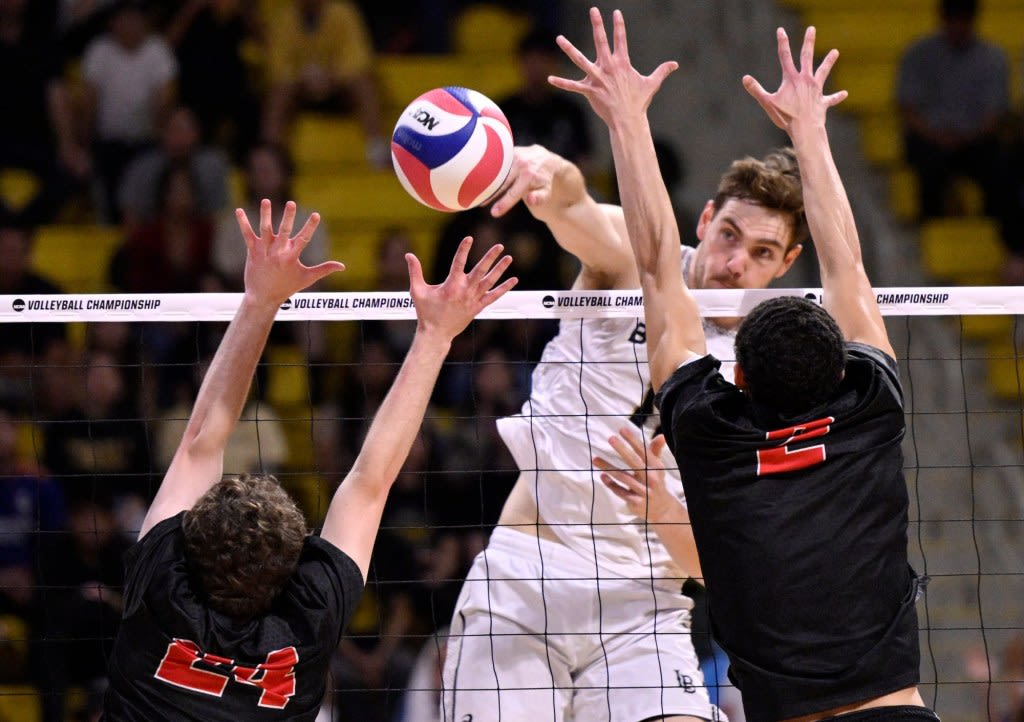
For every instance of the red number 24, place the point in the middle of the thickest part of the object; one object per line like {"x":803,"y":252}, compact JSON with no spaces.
{"x":276,"y":676}
{"x":779,"y":458}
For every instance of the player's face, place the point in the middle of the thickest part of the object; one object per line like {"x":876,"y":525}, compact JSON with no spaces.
{"x":744,"y":245}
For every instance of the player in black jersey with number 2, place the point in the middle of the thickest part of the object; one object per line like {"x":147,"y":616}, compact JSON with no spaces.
{"x":794,"y":476}
{"x":231,"y":610}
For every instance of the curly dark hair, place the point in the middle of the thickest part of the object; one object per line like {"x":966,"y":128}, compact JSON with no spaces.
{"x":791,"y":354}
{"x":242,"y":541}
{"x":772,"y":182}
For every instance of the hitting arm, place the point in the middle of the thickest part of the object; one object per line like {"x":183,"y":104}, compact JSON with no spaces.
{"x":554,"y":191}
{"x":353,"y":517}
{"x":621,"y":96}
{"x":273,"y":272}
{"x":799,"y":107}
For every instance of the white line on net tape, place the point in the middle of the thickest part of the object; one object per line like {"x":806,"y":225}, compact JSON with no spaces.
{"x":352,"y":306}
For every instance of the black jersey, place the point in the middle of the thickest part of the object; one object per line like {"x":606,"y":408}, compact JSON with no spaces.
{"x":176,"y":659}
{"x":801,"y":526}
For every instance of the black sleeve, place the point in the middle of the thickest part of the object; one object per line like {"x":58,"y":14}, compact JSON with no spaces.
{"x":327,"y":580}
{"x":887,"y":367}
{"x":146,"y":556}
{"x":682,"y":390}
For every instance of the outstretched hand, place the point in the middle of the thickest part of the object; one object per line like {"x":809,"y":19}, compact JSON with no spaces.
{"x":612,"y":85}
{"x":273,"y":271}
{"x":800,"y":97}
{"x":447,"y":308}
{"x":641,"y":481}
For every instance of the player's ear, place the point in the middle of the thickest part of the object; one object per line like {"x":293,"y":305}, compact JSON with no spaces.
{"x":738,"y":378}
{"x":787,"y":260}
{"x":705,"y":218}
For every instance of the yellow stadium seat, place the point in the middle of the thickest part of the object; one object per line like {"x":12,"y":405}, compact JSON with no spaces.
{"x":326,"y":143}
{"x":1006,"y":371}
{"x":955,"y":248}
{"x":879,"y":35}
{"x":17,"y":187}
{"x":287,"y":377}
{"x":75,"y":257}
{"x":987,"y":328}
{"x":371,"y":198}
{"x":357,"y":248}
{"x":486,"y":29}
{"x":882,"y":138}
{"x":871,"y":85}
{"x":19,"y":703}
{"x":404,"y":77}
{"x":903,"y":193}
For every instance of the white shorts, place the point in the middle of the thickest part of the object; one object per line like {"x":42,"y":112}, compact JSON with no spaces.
{"x":538,"y":639}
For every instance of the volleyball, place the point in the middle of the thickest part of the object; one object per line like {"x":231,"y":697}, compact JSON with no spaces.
{"x":452,"y":148}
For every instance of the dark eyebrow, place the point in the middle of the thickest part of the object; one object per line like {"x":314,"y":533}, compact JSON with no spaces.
{"x":762,"y":241}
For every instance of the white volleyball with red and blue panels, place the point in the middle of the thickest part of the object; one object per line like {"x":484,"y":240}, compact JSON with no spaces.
{"x":452,"y":148}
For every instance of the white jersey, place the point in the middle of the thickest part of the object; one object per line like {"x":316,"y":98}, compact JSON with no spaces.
{"x":592,"y":380}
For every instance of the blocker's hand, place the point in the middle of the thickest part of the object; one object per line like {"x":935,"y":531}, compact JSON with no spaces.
{"x":615,"y":89}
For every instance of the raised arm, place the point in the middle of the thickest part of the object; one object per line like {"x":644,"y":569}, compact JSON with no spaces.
{"x":554,"y":191}
{"x":799,"y":107}
{"x":273,"y":272}
{"x":443,"y":311}
{"x":620,"y":96}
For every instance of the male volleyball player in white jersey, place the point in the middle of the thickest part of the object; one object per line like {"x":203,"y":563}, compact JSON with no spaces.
{"x":574,"y":610}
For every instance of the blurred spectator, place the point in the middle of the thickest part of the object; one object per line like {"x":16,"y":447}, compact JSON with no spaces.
{"x":538,"y":113}
{"x":268,"y":174}
{"x":39,"y":130}
{"x":480,"y":469}
{"x":180,"y":145}
{"x":258,"y":443}
{"x":99,"y":447}
{"x":373,"y":659}
{"x":31,"y":509}
{"x":25,"y":348}
{"x":129,"y":74}
{"x":171,"y":252}
{"x":953,"y":93}
{"x":79,"y":22}
{"x":392,"y":274}
{"x":320,"y":58}
{"x":83,"y":576}
{"x":209,"y":38}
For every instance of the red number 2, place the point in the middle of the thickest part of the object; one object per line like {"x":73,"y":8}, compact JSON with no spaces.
{"x":779,"y":458}
{"x":276,"y":676}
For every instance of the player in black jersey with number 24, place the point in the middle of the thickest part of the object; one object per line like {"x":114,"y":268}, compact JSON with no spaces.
{"x":231,"y":610}
{"x":793,"y":476}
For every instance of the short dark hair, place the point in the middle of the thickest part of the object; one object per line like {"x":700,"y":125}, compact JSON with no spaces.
{"x":242,"y":542}
{"x":959,"y":9}
{"x":791,"y":353}
{"x":772,"y":182}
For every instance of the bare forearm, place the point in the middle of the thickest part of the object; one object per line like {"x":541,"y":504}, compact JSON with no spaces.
{"x":226,"y":385}
{"x":650,"y":220}
{"x":829,"y":214}
{"x":677,"y":537}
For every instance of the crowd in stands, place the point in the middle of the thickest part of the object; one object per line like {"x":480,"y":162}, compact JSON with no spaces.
{"x":133,"y":115}
{"x":136,"y":116}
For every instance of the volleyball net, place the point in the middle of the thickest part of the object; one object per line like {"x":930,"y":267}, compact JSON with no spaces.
{"x":95,"y":390}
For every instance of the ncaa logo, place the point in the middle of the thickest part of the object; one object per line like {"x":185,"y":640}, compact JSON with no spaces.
{"x":812,"y":297}
{"x":18,"y":305}
{"x":286,"y":305}
{"x":548,"y":301}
